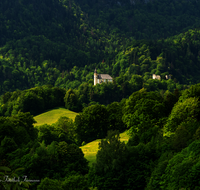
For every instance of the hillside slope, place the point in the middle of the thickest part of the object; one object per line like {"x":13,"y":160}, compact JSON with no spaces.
{"x":90,"y":149}
{"x":53,"y":115}
{"x":43,"y":40}
{"x":60,"y":42}
{"x":143,"y":19}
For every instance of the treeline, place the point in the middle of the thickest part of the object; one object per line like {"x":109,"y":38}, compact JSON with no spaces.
{"x":162,"y":153}
{"x":37,"y":100}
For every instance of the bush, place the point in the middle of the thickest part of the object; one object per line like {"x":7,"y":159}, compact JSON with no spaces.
{"x":49,"y":184}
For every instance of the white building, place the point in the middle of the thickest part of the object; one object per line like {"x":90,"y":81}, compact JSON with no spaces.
{"x":99,"y":78}
{"x":168,"y":77}
{"x":156,"y":76}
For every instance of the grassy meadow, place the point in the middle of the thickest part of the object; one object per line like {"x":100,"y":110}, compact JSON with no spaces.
{"x":51,"y":116}
{"x":90,"y":150}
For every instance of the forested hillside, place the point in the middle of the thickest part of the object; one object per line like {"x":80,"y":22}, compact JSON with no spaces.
{"x":40,"y":40}
{"x":48,"y":52}
{"x":142,"y":19}
{"x":162,"y":152}
{"x":61,"y":42}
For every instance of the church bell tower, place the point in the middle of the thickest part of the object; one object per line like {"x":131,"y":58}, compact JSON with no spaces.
{"x":95,"y":76}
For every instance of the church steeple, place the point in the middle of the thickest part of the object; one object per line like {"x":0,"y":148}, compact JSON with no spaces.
{"x":95,"y":76}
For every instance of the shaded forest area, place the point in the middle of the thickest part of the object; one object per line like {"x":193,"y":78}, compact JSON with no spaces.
{"x":61,"y":42}
{"x":142,"y":19}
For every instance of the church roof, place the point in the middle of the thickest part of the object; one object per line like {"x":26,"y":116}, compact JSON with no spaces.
{"x":103,"y":76}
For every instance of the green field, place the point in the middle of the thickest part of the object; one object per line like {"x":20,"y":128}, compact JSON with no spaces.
{"x":53,"y":115}
{"x":90,"y":150}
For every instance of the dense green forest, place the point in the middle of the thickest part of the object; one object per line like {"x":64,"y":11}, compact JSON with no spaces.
{"x":61,"y":42}
{"x":48,"y":53}
{"x":162,"y":152}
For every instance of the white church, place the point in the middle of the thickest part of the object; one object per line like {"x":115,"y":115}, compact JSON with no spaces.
{"x":99,"y":78}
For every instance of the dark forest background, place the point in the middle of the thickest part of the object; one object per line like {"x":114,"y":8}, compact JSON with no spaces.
{"x":60,"y":42}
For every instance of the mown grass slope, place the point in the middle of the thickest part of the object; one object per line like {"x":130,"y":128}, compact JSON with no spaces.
{"x":90,"y":150}
{"x":53,"y":115}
